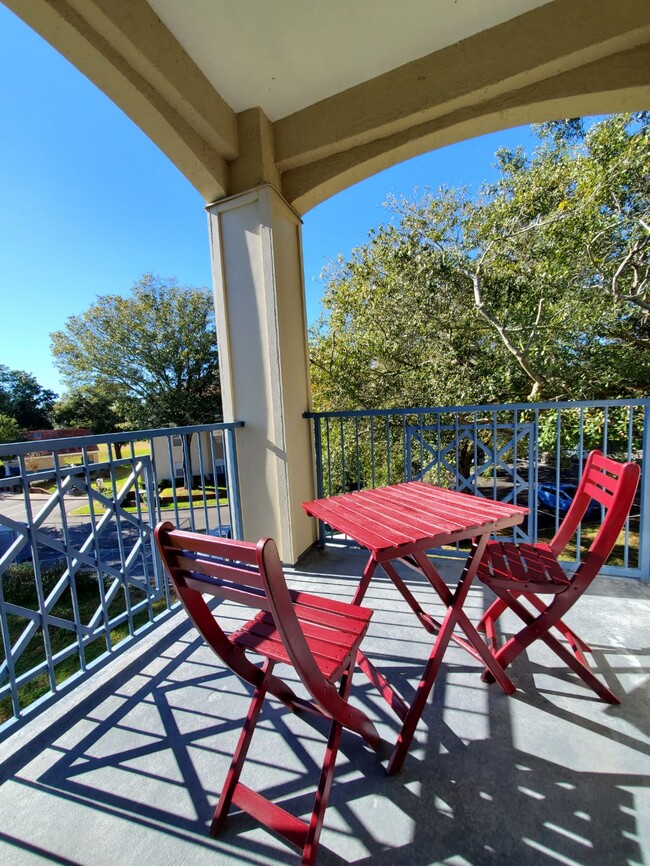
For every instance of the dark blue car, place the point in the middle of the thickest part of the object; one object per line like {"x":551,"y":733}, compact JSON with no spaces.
{"x":560,"y":497}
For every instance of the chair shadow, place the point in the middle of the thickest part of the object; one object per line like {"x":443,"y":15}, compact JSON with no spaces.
{"x":154,"y":742}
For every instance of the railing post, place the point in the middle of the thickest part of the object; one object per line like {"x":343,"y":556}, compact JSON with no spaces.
{"x":232,"y":469}
{"x":318,"y":449}
{"x":533,"y":470}
{"x":408,"y":462}
{"x":644,"y":520}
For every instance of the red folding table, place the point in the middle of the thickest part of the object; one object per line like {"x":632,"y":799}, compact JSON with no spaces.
{"x":402,"y":522}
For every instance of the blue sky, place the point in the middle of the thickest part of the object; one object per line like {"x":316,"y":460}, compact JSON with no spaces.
{"x":89,"y":204}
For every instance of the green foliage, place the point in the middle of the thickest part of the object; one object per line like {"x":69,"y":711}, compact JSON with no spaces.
{"x":10,"y":430}
{"x":538,"y":289}
{"x":24,"y":400}
{"x":91,"y":407}
{"x":614,"y":430}
{"x":150,"y":357}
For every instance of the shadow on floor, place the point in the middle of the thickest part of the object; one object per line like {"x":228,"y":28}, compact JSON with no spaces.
{"x":131,"y":770}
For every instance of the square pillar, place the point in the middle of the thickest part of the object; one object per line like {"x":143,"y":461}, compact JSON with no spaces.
{"x":256,"y":248}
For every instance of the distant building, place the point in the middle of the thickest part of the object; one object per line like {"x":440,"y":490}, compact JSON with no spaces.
{"x":207,"y":460}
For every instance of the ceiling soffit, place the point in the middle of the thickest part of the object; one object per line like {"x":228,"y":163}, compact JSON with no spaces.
{"x":286,"y":55}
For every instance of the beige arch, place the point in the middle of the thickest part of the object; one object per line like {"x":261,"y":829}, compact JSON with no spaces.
{"x":561,"y":59}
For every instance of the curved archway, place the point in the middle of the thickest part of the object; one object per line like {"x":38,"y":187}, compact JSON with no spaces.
{"x":523,"y":60}
{"x":612,"y":86}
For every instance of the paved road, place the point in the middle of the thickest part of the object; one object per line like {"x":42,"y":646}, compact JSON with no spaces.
{"x":79,"y":526}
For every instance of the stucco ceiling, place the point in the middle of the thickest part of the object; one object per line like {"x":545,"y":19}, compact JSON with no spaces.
{"x":284,"y":55}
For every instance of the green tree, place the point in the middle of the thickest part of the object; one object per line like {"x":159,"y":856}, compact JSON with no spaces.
{"x":397,"y":329}
{"x":152,"y":355}
{"x":90,"y":407}
{"x":93,"y":408}
{"x":10,"y":430}
{"x":560,"y":258}
{"x":536,"y":289}
{"x":24,"y":400}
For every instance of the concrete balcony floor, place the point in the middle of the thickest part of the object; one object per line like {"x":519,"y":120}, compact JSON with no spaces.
{"x":127,"y":767}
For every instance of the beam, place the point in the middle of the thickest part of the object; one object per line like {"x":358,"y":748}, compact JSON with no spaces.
{"x":618,"y":83}
{"x":126,"y":50}
{"x":558,"y":37}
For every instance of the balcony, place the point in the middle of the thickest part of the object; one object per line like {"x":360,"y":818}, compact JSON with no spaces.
{"x":134,"y":744}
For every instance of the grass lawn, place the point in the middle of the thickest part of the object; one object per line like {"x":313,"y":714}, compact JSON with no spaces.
{"x":168,"y":505}
{"x":121,"y":472}
{"x":141,"y":448}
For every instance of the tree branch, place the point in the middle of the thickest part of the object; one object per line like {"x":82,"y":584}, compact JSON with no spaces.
{"x":539,"y":382}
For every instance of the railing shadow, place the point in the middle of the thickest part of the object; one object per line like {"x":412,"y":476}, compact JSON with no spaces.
{"x":541,"y":777}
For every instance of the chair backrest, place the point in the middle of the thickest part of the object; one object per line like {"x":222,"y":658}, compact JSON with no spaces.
{"x":220,"y":567}
{"x":613,"y":485}
{"x":252,"y":575}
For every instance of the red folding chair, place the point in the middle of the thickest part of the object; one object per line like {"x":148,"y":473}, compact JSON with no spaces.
{"x":530,"y":570}
{"x":318,"y":637}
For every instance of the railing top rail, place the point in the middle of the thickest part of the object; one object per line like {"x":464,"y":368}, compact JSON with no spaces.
{"x":15,"y":448}
{"x":492,"y":407}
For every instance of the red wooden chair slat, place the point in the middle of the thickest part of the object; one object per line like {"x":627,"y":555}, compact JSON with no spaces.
{"x":240,"y":551}
{"x":230,"y":591}
{"x":531,"y":570}
{"x":318,"y":637}
{"x":219,"y":570}
{"x":600,"y":493}
{"x":262,"y":636}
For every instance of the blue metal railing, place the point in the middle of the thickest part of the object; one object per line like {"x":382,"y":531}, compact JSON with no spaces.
{"x":79,"y":573}
{"x":511,"y":452}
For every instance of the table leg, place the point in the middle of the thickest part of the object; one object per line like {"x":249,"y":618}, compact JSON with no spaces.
{"x":454,"y":616}
{"x":424,"y":688}
{"x":425,"y":619}
{"x":457,"y":600}
{"x":368,"y":572}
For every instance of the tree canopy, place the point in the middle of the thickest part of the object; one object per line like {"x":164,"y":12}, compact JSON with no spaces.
{"x":10,"y":430}
{"x":91,"y":408}
{"x":24,"y":400}
{"x":537,"y":288}
{"x":151,"y":356}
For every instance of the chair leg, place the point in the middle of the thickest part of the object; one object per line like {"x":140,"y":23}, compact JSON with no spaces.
{"x":577,"y":644}
{"x":325,"y":781}
{"x":486,"y":625}
{"x":499,"y":606}
{"x":296,"y":831}
{"x":491,"y":615}
{"x":239,"y":756}
{"x":538,"y":628}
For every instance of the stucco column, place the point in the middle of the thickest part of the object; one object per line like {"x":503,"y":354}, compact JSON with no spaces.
{"x":256,"y":249}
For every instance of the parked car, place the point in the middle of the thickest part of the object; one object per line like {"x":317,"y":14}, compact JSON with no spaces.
{"x":560,"y":497}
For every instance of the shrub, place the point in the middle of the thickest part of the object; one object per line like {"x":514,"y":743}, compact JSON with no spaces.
{"x":19,"y":582}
